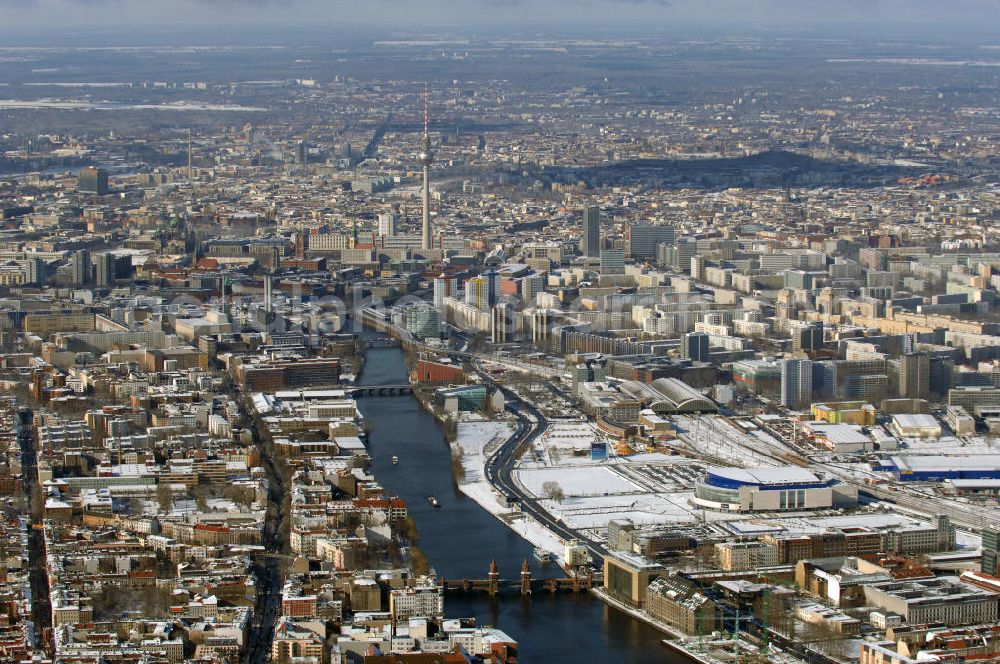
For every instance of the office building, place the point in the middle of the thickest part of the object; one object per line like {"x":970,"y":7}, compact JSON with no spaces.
{"x":80,"y":266}
{"x":936,"y":600}
{"x":612,"y":261}
{"x":482,"y":291}
{"x":420,"y":320}
{"x":796,"y":383}
{"x":36,"y":271}
{"x":541,"y":325}
{"x":444,"y":286}
{"x":694,"y":346}
{"x":104,"y":270}
{"x":93,"y":181}
{"x":762,"y":377}
{"x":590,"y":244}
{"x":642,"y":239}
{"x":914,"y":376}
{"x":798,"y":279}
{"x":991,"y":551}
{"x":682,"y":255}
{"x":503,"y":323}
{"x":387,"y":222}
{"x":627,"y":576}
{"x":808,"y":337}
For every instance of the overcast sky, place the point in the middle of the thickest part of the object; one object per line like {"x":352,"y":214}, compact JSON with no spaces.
{"x":543,"y":13}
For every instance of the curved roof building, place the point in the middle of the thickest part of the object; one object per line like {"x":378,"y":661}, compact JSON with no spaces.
{"x":770,"y":490}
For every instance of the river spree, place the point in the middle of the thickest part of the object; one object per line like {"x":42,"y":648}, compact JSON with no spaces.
{"x":460,"y":538}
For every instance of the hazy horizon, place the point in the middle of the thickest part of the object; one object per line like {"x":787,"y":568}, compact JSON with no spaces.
{"x":975,"y":15}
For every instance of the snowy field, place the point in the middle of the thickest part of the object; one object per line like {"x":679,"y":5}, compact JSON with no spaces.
{"x":643,"y":509}
{"x":575,"y":481}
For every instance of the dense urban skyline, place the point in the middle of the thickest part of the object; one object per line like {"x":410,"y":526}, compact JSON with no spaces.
{"x":496,"y":333}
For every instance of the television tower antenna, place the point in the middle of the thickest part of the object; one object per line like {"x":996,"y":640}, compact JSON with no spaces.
{"x":426,"y":158}
{"x":427,"y":136}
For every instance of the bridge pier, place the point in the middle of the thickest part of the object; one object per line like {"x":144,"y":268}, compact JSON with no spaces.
{"x":493,"y":581}
{"x":525,"y":578}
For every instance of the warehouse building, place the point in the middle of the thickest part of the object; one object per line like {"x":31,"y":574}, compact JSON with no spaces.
{"x":938,"y":468}
{"x":916,"y":426}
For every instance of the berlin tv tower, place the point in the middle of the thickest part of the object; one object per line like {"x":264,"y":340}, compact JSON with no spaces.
{"x":426,"y":158}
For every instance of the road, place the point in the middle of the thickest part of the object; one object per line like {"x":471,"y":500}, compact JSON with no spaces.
{"x":531,"y":424}
{"x":267,"y":569}
{"x":41,"y":609}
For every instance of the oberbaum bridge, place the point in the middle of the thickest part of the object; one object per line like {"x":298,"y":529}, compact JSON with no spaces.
{"x":493,"y":585}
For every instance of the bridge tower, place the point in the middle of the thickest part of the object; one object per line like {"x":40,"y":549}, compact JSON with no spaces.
{"x":493,"y":582}
{"x":525,"y":578}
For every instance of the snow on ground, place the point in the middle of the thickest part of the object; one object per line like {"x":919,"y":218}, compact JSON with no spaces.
{"x":477,"y":438}
{"x":575,"y":481}
{"x":643,"y":509}
{"x":538,"y":535}
{"x":715,"y":437}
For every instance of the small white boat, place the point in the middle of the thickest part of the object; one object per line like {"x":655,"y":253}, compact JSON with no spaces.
{"x":433,"y":501}
{"x":541,"y":555}
{"x":395,"y":460}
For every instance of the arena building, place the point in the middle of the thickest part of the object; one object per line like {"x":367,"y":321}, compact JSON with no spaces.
{"x":782,"y":489}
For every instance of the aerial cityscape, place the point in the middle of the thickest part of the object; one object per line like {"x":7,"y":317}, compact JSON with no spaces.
{"x":466,"y":341}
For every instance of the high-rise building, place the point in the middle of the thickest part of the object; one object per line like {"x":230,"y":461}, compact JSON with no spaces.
{"x":268,"y":293}
{"x":444,"y":286}
{"x":808,"y":336}
{"x":36,"y":271}
{"x":590,"y":244}
{"x":683,"y":253}
{"x":612,"y":261}
{"x":387,"y":224}
{"x":694,"y":346}
{"x":93,"y":181}
{"x":796,"y":383}
{"x":642,"y":239}
{"x":825,"y":379}
{"x":799,"y":279}
{"x":531,"y":286}
{"x":482,"y":291}
{"x":991,"y":551}
{"x":104,"y":270}
{"x":914,"y":376}
{"x":503,"y":323}
{"x":541,"y":324}
{"x":697,"y":270}
{"x":80,"y":264}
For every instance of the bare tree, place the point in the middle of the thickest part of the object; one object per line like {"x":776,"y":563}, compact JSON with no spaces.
{"x":165,"y":497}
{"x":457,"y":469}
{"x":553,"y":491}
